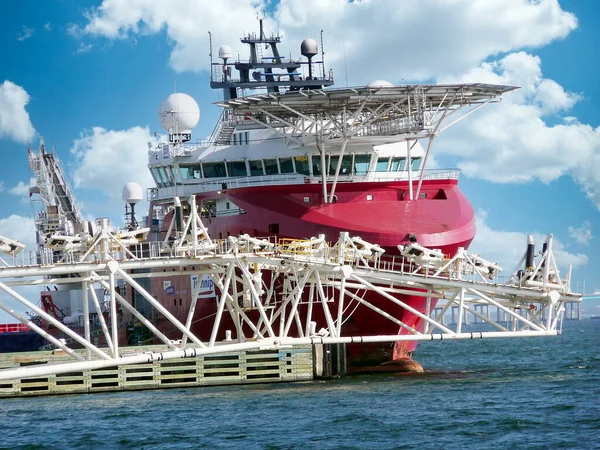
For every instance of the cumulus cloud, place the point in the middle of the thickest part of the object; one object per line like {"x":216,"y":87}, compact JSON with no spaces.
{"x":507,"y":247}
{"x":21,"y":189}
{"x":582,"y":234}
{"x":19,"y":228}
{"x":436,"y":37}
{"x":106,"y":159}
{"x":14,"y":118}
{"x":512,"y":142}
{"x":186,"y":24}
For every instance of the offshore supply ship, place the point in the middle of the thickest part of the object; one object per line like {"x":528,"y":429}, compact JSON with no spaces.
{"x":291,"y":157}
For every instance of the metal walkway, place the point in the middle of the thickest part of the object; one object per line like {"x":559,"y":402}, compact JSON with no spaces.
{"x":275,"y":288}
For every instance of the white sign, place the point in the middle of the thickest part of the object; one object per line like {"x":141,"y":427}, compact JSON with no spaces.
{"x":207,"y":286}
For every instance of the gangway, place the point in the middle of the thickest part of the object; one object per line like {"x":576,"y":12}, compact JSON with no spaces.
{"x":284,"y":284}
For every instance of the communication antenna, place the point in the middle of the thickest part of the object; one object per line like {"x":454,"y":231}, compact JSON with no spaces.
{"x":322,"y":56}
{"x":345,"y":62}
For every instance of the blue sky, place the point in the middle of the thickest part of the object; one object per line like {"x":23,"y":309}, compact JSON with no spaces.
{"x":95,"y":72}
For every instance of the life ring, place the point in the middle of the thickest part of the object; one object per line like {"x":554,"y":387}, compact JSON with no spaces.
{"x":532,"y":307}
{"x":306,"y":180}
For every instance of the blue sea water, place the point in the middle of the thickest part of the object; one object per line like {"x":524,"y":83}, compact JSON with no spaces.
{"x":536,"y":393}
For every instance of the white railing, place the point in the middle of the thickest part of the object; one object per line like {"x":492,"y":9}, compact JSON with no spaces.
{"x":216,"y":184}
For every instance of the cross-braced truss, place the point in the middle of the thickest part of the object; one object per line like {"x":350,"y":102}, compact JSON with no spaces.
{"x":271,"y":292}
{"x":374,"y":113}
{"x":369,"y":115}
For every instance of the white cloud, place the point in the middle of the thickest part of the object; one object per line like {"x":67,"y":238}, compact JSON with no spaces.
{"x":436,"y":37}
{"x":511,"y":142}
{"x":186,"y":25}
{"x":507,"y":247}
{"x":14,"y":118}
{"x":25,"y":33}
{"x":19,"y":228}
{"x":83,"y":48}
{"x":583,"y":234}
{"x":22,"y":189}
{"x":48,"y":26}
{"x":107,"y":159}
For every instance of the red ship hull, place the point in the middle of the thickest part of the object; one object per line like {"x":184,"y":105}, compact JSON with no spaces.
{"x":444,"y":219}
{"x":379,"y":213}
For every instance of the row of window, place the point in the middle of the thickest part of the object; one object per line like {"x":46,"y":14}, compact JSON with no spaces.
{"x":353,"y":164}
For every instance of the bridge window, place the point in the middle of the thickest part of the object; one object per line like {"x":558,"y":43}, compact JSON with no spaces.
{"x":287,"y":165}
{"x":214,"y":170}
{"x":157,"y":180}
{"x":164,"y":175}
{"x":398,"y":164}
{"x":256,"y":168}
{"x":382,"y":164}
{"x":316,"y":164}
{"x":415,"y":163}
{"x":302,"y":164}
{"x":190,"y":172}
{"x":361,"y":164}
{"x":271,"y":166}
{"x":237,"y":169}
{"x":175,"y":174}
{"x":346,"y":164}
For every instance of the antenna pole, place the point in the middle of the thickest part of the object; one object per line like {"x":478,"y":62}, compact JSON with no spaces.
{"x":322,"y":56}
{"x":345,"y":63}
{"x":210,"y":54}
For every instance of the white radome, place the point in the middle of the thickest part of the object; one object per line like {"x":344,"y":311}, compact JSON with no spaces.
{"x":225,"y":52}
{"x":179,"y":113}
{"x":379,"y":84}
{"x":132,"y":193}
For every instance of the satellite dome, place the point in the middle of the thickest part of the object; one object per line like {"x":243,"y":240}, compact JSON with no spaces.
{"x":309,"y":48}
{"x":179,"y":113}
{"x":225,"y":52}
{"x":379,"y":84}
{"x":132,"y":193}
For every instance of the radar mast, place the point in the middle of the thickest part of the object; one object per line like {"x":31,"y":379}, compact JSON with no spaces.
{"x":275,"y":73}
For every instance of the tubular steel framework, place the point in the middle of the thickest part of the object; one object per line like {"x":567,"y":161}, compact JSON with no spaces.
{"x":332,"y":278}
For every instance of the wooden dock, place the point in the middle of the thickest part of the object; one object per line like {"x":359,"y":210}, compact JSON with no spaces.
{"x":245,"y":367}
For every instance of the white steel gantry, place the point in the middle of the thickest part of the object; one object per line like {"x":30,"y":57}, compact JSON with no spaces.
{"x":376,"y":114}
{"x":271,"y":291}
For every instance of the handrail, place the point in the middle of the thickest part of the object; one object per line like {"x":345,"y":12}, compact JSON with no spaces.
{"x":216,"y":184}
